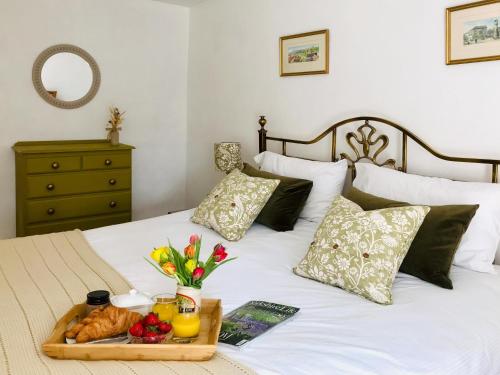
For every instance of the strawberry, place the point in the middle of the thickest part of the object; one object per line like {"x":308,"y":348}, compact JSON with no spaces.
{"x":137,"y":329}
{"x":165,"y":327}
{"x":150,"y":334}
{"x":151,"y":320}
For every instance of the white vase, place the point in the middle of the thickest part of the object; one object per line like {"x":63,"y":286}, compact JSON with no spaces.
{"x":188,"y":297}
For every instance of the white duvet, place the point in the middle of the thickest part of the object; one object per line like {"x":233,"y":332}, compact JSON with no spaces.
{"x":428,"y":330}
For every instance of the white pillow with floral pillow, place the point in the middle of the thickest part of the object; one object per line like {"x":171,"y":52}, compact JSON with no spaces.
{"x":361,"y":251}
{"x":233,"y":205}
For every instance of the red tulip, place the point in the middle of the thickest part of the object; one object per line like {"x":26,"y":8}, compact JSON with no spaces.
{"x":193,"y":239}
{"x":219,"y":253}
{"x":198,"y":273}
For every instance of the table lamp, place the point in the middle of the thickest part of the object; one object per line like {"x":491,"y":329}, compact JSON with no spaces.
{"x":227,"y":156}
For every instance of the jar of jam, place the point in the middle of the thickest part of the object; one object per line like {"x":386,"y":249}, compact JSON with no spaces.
{"x":97,"y":299}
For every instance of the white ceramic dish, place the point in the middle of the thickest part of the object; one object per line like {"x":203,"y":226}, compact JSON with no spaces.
{"x":134,"y":301}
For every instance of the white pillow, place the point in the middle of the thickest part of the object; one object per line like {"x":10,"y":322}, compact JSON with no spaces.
{"x":327,"y":177}
{"x":479,"y":243}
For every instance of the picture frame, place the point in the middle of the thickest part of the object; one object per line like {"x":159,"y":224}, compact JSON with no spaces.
{"x":304,"y":54}
{"x":473,"y":32}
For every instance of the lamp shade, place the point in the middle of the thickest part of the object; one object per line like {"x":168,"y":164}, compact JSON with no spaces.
{"x":227,"y":156}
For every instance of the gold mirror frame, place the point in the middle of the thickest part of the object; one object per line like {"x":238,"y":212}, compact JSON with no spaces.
{"x":42,"y":91}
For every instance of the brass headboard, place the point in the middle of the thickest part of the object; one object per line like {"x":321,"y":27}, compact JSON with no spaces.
{"x":369,"y":146}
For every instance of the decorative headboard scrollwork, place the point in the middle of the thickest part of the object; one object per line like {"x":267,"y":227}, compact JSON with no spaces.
{"x":366,"y":144}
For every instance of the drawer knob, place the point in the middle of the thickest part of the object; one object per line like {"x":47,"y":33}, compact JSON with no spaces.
{"x":112,"y":181}
{"x":50,"y":187}
{"x":112,"y":204}
{"x":51,"y":211}
{"x":107,"y":162}
{"x":55,"y":165}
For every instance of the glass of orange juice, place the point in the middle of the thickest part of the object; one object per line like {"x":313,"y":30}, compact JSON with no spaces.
{"x":165,"y":306}
{"x":186,"y":323}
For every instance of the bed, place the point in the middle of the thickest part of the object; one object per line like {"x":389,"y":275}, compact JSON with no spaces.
{"x":428,"y":330}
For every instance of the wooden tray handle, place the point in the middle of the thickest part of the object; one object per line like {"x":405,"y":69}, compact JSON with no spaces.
{"x":76,"y":312}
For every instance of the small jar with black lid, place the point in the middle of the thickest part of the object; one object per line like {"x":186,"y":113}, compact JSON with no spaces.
{"x":97,"y":299}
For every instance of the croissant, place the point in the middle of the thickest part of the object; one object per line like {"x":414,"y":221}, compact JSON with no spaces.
{"x":71,"y":334}
{"x":101,"y":324}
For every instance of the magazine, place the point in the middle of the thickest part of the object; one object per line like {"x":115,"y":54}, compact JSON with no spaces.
{"x":252,"y":320}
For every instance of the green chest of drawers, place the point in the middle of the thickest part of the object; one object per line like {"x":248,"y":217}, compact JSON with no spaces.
{"x":64,"y":185}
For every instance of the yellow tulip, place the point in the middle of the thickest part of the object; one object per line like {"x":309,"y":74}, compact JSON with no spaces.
{"x":190,"y":265}
{"x":155,"y":255}
{"x":160,"y":254}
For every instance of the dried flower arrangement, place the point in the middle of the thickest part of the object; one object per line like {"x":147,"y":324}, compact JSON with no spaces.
{"x":114,"y":125}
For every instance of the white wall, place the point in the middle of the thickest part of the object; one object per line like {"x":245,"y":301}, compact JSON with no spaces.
{"x":141,"y":47}
{"x":387,"y":59}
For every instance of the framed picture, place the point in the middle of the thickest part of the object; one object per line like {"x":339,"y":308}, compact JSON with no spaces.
{"x":473,"y":32}
{"x":306,"y":53}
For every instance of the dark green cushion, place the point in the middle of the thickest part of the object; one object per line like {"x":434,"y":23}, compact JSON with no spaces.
{"x":283,"y":208}
{"x":431,"y":252}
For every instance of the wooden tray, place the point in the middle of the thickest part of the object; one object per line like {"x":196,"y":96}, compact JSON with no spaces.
{"x":201,"y":350}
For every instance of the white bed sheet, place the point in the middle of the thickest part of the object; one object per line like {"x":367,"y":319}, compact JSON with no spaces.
{"x":428,"y":330}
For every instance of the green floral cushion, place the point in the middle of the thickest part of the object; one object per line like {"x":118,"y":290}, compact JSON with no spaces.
{"x":234,"y":204}
{"x":361,"y":251}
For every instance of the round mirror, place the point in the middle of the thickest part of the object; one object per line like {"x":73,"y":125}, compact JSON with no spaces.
{"x":66,"y":76}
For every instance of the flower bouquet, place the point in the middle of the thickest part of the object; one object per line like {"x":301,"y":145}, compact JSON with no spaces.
{"x":114,"y":125}
{"x":187,"y":269}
